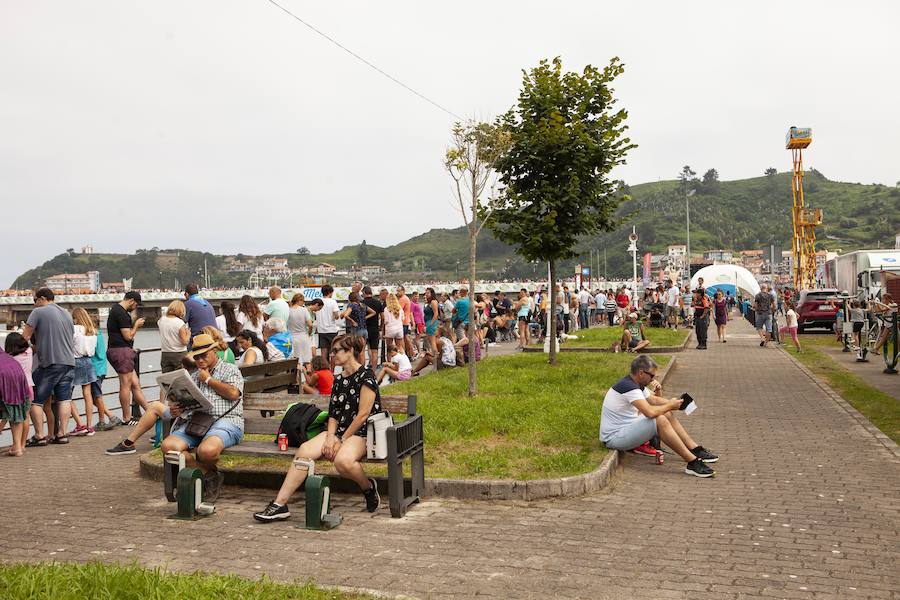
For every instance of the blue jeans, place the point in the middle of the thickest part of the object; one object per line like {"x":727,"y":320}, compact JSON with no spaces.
{"x":56,"y":380}
{"x":228,"y":432}
{"x":583,"y":319}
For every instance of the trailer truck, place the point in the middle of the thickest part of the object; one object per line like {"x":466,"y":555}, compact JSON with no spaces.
{"x":865,"y":274}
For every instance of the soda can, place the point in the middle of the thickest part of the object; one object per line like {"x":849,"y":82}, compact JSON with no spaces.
{"x":282,"y":442}
{"x":660,"y":458}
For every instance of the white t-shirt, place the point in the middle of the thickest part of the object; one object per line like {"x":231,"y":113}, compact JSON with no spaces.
{"x":325,"y":320}
{"x":600,"y":301}
{"x":448,"y":352}
{"x":402,"y":362}
{"x":584,"y":297}
{"x":791,"y":318}
{"x":222,"y":326}
{"x":245,"y":322}
{"x":85,"y":345}
{"x":169,"y":339}
{"x":672,"y":296}
{"x":618,"y":410}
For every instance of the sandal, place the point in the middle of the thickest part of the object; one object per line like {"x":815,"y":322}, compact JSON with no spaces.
{"x":35,"y":441}
{"x":12,"y":453}
{"x":60,"y":439}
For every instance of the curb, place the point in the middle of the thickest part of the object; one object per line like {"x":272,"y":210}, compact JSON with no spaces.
{"x":879,"y":435}
{"x":466,"y":489}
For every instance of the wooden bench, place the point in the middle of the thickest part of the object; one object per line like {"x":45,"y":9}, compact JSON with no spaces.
{"x":272,"y":376}
{"x":404,"y":439}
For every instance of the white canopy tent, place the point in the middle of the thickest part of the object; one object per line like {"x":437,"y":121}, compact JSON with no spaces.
{"x":728,"y":278}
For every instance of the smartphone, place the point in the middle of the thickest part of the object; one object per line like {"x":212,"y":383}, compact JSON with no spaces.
{"x":686,"y":399}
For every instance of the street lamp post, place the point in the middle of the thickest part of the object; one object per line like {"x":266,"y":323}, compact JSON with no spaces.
{"x":687,"y":204}
{"x":632,"y":247}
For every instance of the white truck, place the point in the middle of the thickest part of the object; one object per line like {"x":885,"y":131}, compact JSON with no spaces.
{"x":864,"y":273}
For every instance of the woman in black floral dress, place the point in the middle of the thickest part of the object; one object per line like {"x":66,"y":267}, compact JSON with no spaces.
{"x":354,"y":396}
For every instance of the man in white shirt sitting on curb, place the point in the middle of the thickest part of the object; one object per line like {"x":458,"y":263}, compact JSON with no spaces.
{"x":632,"y":415}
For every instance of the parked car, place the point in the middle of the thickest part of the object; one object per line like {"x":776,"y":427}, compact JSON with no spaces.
{"x":814,"y":308}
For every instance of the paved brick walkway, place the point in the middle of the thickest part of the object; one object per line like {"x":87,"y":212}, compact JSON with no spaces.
{"x":806,"y":505}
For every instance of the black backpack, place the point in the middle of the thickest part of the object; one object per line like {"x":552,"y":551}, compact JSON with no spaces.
{"x":295,"y":422}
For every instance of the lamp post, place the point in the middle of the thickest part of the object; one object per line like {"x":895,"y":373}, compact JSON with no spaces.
{"x":687,"y":204}
{"x":632,"y":247}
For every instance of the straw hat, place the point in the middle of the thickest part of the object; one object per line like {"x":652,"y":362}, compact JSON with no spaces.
{"x":201,"y":344}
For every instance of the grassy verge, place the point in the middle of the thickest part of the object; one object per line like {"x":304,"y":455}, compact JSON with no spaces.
{"x":73,"y":581}
{"x":529,"y":420}
{"x":880,"y":408}
{"x":603,"y":337}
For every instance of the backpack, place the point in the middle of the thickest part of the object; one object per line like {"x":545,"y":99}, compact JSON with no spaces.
{"x":298,"y":422}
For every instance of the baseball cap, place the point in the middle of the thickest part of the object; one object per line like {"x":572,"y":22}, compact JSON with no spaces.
{"x":136,"y":296}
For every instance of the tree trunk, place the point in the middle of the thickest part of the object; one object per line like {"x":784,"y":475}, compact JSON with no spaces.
{"x":552,"y":316}
{"x":470,"y":330}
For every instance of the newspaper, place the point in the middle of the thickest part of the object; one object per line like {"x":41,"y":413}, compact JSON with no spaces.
{"x":179,"y":389}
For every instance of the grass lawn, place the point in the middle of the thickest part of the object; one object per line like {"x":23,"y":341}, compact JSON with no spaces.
{"x":529,"y":420}
{"x":880,"y":408}
{"x":603,"y":337}
{"x":74,"y":581}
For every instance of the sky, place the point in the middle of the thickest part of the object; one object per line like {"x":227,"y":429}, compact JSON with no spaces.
{"x":230,"y":127}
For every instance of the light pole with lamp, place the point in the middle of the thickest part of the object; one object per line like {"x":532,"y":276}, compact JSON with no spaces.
{"x":632,"y":247}
{"x":687,"y":203}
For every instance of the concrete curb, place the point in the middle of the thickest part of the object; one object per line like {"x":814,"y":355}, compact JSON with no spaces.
{"x":650,"y":350}
{"x":466,"y":489}
{"x":885,"y":441}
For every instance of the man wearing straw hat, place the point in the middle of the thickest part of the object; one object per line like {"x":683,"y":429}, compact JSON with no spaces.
{"x":222,"y":384}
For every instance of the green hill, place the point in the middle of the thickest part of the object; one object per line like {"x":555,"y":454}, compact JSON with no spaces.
{"x":736,"y":215}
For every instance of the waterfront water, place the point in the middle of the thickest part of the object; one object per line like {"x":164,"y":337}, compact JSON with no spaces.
{"x":145,"y":338}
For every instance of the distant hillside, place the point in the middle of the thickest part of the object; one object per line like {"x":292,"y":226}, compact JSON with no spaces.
{"x":743,"y":214}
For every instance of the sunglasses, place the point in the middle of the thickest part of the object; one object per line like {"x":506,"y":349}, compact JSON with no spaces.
{"x":649,"y":373}
{"x":334,"y":351}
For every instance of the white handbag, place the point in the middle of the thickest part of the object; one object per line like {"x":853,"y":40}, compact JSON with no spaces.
{"x":376,"y":434}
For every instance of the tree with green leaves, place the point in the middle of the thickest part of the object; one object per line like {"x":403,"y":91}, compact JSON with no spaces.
{"x":362,"y":253}
{"x":470,"y":161}
{"x":303,"y":251}
{"x":565,"y":137}
{"x":771,"y":171}
{"x":710,"y":183}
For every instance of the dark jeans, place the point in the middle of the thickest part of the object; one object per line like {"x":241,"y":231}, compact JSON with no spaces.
{"x":611,"y":316}
{"x":700,"y":327}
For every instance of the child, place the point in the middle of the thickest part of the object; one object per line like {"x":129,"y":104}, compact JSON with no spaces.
{"x":18,"y":348}
{"x":397,"y":366}
{"x":319,"y":377}
{"x":85,"y":347}
{"x":99,"y":360}
{"x":791,"y":325}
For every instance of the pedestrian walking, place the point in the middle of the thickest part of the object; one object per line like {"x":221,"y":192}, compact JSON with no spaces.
{"x":720,"y":309}
{"x":700,"y":306}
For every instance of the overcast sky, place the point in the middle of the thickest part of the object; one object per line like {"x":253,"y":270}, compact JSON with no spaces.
{"x":227,"y":126}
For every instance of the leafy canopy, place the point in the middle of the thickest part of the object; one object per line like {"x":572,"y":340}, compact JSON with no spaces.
{"x":564,"y":138}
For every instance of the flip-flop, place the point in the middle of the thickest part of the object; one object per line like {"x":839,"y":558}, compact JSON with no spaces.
{"x":11,"y":453}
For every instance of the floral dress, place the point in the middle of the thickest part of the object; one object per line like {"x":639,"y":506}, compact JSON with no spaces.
{"x":344,"y":404}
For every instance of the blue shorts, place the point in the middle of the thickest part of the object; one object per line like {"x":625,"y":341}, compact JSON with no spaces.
{"x":632,"y":435}
{"x":56,"y":380}
{"x":84,"y":371}
{"x":763,"y":321}
{"x":228,"y":432}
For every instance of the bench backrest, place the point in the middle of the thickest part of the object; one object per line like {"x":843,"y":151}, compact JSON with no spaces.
{"x":279,"y":401}
{"x":269,"y":376}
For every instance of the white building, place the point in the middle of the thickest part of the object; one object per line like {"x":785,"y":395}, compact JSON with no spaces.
{"x":74,"y":282}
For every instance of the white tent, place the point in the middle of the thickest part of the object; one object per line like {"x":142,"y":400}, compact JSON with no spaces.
{"x":728,"y":278}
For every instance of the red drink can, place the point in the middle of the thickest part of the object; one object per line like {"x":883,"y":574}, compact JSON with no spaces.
{"x":282,"y":442}
{"x":660,"y":458}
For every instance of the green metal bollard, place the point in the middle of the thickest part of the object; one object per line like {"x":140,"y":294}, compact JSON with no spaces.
{"x":318,"y":498}
{"x":187,"y":490}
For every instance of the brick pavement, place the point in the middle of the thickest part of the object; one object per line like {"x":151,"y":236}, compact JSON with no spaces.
{"x":806,"y":505}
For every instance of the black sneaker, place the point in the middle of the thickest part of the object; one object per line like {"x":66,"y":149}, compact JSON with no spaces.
{"x":212,"y":485}
{"x":698,"y":468}
{"x":704,"y":454}
{"x":373,"y":500}
{"x":273,"y":512}
{"x":121,"y":448}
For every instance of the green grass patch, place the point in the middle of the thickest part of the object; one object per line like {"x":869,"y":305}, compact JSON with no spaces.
{"x":528,"y":421}
{"x":604,"y":337}
{"x":881,"y":409}
{"x":74,"y":581}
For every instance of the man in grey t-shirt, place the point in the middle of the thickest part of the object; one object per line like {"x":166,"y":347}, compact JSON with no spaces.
{"x":51,"y":329}
{"x":762,"y":308}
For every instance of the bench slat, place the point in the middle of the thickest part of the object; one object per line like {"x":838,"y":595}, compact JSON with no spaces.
{"x":256,"y":449}
{"x":396,"y":405}
{"x":269,"y":384}
{"x":270,"y":368}
{"x":262,"y":425}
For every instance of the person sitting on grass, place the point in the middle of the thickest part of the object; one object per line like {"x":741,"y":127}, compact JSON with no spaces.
{"x":633,"y":336}
{"x":354,"y":397}
{"x":449,"y":353}
{"x":632,"y":415}
{"x":319,"y":378}
{"x":397,"y":366}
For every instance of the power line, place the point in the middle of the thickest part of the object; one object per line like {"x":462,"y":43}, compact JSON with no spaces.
{"x":366,"y":62}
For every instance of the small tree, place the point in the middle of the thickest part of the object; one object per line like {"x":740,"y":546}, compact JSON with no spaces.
{"x":771,"y":171}
{"x":564,"y":139}
{"x":362,"y":253}
{"x":303,"y":251}
{"x":470,"y":159}
{"x":710,"y":183}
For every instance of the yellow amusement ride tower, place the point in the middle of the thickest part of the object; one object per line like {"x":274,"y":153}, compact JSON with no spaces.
{"x":804,"y":219}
